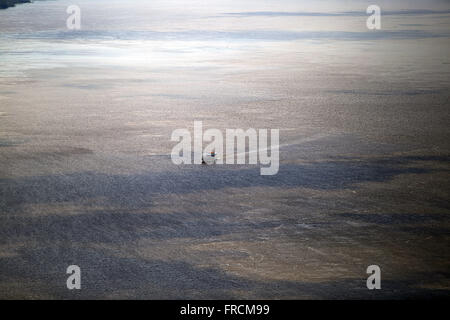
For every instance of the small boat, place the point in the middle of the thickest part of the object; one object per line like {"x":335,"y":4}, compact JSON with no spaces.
{"x":209,"y":158}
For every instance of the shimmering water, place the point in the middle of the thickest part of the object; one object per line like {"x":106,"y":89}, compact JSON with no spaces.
{"x":86,"y":178}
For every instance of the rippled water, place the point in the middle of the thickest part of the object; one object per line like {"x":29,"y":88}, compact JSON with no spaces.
{"x":86,"y":178}
{"x":145,"y":33}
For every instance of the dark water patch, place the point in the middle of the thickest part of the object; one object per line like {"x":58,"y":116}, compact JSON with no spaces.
{"x":136,"y":190}
{"x":86,"y":86}
{"x":399,"y":160}
{"x":41,"y":271}
{"x":440,"y":158}
{"x":175,"y":96}
{"x":55,"y":154}
{"x":204,"y":35}
{"x":10,"y":142}
{"x":412,"y":25}
{"x":389,"y":93}
{"x":427,"y":231}
{"x":397,"y":218}
{"x":4,"y":4}
{"x":121,"y":226}
{"x":333,"y":14}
